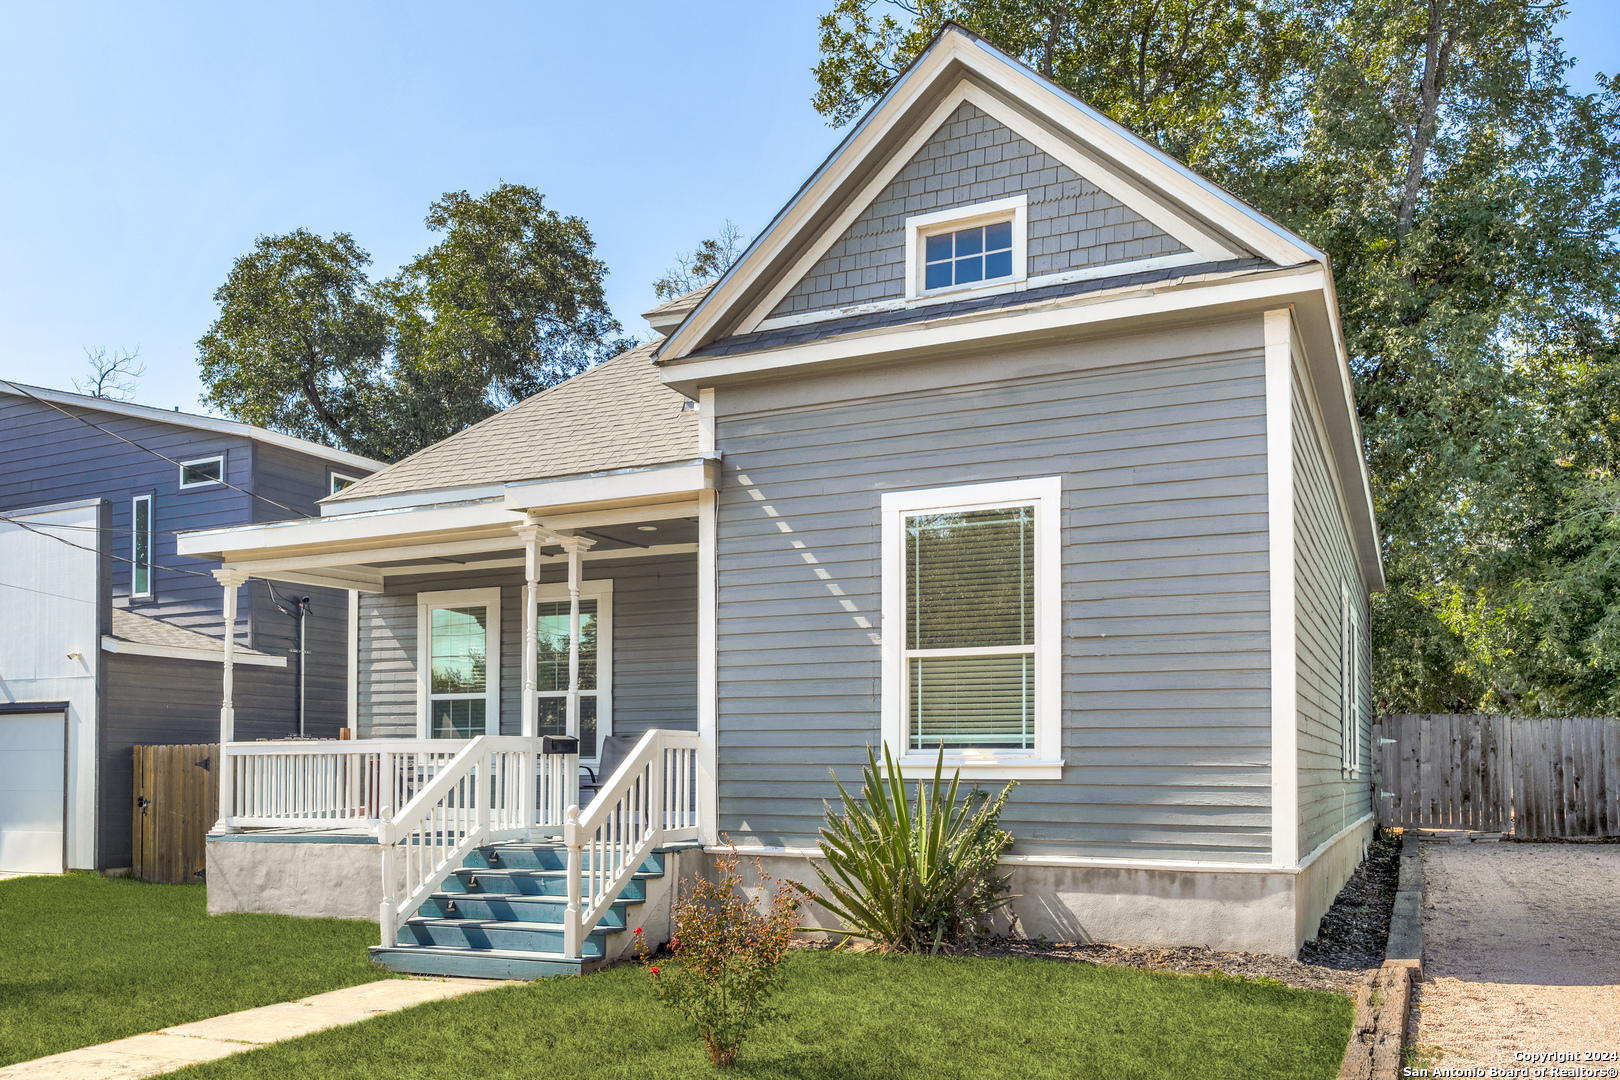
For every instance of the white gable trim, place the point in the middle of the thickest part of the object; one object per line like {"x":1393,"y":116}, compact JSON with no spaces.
{"x":1205,"y":246}
{"x":1222,"y":211}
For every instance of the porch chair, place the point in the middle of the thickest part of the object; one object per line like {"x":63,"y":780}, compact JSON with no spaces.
{"x":613,"y":751}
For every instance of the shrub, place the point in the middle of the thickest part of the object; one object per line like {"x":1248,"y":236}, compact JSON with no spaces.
{"x":914,"y":877}
{"x":723,"y":957}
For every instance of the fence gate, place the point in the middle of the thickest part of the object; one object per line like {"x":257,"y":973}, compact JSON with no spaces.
{"x":1536,"y":778}
{"x":176,"y":802}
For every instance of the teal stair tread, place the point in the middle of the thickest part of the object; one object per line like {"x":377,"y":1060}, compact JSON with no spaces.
{"x":504,"y":924}
{"x":529,"y":871}
{"x":520,"y":898}
{"x":478,"y":963}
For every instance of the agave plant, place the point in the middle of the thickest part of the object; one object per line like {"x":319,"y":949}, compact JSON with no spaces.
{"x":913,"y":876}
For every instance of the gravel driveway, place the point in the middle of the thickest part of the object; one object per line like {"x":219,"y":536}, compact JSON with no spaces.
{"x":1521,"y":951}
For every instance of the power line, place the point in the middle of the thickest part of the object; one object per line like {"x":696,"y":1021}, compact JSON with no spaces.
{"x":24,"y":391}
{"x":110,"y":555}
{"x":85,"y":528}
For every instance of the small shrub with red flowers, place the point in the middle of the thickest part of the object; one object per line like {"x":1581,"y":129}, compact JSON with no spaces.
{"x":723,"y":957}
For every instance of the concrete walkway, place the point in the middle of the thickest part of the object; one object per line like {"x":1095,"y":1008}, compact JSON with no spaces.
{"x":186,"y":1044}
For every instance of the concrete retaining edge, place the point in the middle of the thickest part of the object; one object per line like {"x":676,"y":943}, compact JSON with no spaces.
{"x":1384,"y":1000}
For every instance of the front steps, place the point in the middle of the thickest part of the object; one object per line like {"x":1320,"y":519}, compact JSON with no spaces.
{"x":499,"y":916}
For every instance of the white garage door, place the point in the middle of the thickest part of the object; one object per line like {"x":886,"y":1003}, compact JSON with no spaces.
{"x":32,"y":773}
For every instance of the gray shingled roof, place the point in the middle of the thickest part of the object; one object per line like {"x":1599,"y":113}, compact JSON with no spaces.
{"x":814,"y":331}
{"x":144,"y":630}
{"x":615,"y":416}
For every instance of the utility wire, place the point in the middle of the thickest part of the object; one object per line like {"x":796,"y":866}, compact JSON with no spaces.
{"x":24,"y":391}
{"x":83,"y":528}
{"x":94,"y":551}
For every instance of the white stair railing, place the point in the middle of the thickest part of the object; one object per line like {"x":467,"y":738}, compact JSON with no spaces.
{"x":496,"y":788}
{"x":649,"y":801}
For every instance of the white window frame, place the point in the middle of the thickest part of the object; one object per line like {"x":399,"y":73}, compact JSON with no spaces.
{"x":922,"y":226}
{"x":426,"y":602}
{"x":600,"y":590}
{"x":151,"y":546}
{"x":1349,"y":682}
{"x":195,"y":484}
{"x":1044,"y":761}
{"x":333,"y":478}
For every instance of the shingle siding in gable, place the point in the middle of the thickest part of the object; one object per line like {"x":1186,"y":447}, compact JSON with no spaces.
{"x":1160,"y":441}
{"x":974,"y":158}
{"x":1328,"y":799}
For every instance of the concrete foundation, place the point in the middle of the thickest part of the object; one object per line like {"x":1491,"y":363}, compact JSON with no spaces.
{"x":1227,"y":908}
{"x":326,"y":875}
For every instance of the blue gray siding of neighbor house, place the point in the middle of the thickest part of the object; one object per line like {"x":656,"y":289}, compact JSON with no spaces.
{"x":972,"y":158}
{"x":47,"y":457}
{"x":1329,"y":800}
{"x":654,"y":644}
{"x":1160,"y":442}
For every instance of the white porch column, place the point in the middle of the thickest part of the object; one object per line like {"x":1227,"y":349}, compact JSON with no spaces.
{"x":231,"y":580}
{"x":708,"y":703}
{"x":575,"y":547}
{"x":531,"y":629}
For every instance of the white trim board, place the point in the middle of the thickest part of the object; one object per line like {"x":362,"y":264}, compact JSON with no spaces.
{"x":239,"y":655}
{"x":1071,"y":861}
{"x":1279,"y":338}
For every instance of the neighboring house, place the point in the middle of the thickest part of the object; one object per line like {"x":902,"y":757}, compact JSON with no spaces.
{"x":108,"y":638}
{"x":1009,"y":434}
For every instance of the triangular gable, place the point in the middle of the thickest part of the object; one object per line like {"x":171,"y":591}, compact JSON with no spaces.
{"x":833,"y":246}
{"x":1074,"y":226}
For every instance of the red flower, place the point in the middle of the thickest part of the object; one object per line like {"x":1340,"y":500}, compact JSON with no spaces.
{"x":652,"y":970}
{"x":638,"y":929}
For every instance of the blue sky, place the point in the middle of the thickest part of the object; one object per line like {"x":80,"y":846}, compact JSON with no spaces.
{"x":145,"y":147}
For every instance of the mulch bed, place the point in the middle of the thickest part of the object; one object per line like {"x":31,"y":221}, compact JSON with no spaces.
{"x":1354,"y":930}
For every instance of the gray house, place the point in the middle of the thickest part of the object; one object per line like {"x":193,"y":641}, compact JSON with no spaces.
{"x":109,"y":639}
{"x":1009,"y":435}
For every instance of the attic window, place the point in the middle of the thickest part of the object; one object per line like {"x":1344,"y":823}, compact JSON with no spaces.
{"x":340,"y":481}
{"x":966,"y":248}
{"x":203,"y":472}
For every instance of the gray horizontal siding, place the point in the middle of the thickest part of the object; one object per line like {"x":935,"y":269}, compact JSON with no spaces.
{"x":1328,"y":799}
{"x":654,"y":643}
{"x":1166,"y":681}
{"x":153,"y":700}
{"x":973,"y":158}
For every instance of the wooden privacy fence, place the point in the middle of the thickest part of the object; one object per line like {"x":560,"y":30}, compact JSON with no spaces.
{"x":1536,"y":778}
{"x":176,"y":802}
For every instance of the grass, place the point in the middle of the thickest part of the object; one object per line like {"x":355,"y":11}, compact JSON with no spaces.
{"x":843,"y":1016}
{"x":86,"y":959}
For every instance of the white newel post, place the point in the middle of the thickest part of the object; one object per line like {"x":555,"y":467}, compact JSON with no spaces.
{"x":574,"y":838}
{"x":231,"y":580}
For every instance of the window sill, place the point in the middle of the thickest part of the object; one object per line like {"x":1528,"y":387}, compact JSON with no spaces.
{"x":919,"y":768}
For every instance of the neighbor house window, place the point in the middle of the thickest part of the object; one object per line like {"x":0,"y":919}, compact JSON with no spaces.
{"x":203,"y":472}
{"x":982,"y":245}
{"x":340,"y":481}
{"x":140,"y":554}
{"x":971,"y":627}
{"x":459,"y":678}
{"x":595,"y":663}
{"x":1349,"y":680}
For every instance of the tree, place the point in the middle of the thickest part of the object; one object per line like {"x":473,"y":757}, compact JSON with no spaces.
{"x":508,"y":303}
{"x":298,"y":346}
{"x":112,"y":375}
{"x":693,"y":270}
{"x":1469,"y":203}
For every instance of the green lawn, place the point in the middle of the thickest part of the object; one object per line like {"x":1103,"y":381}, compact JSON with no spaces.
{"x":86,"y":959}
{"x":856,"y":1017}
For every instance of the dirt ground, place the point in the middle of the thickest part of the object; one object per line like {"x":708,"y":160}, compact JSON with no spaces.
{"x":1521,"y":952}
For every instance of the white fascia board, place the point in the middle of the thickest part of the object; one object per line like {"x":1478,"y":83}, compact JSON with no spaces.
{"x":619,"y":485}
{"x":1113,"y":144}
{"x":436,"y":497}
{"x":245,"y":542}
{"x":199,"y":423}
{"x":1087,"y":310}
{"x":240,"y":656}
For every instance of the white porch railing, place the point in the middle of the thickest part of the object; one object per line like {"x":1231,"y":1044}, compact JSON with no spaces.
{"x":328,"y":784}
{"x":650,"y":800}
{"x":497,"y":788}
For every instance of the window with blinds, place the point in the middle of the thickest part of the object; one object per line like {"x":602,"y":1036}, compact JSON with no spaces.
{"x":970,"y":629}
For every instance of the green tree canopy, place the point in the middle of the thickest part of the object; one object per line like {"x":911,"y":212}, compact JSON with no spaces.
{"x":1469,"y":202}
{"x":507,"y":303}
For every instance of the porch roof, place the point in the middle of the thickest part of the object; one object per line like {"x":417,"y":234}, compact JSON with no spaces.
{"x":615,"y":416}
